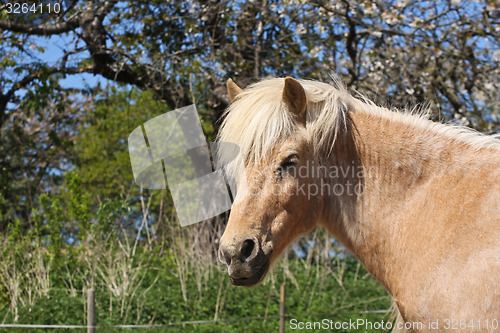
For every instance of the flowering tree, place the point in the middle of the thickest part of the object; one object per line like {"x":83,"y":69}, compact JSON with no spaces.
{"x":399,"y":52}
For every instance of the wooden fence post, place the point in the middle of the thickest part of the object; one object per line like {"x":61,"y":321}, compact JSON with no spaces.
{"x":282,"y":308}
{"x":90,"y":311}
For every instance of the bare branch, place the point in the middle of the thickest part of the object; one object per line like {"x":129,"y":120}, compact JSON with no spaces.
{"x":36,"y":74}
{"x":106,"y":8}
{"x":51,"y":29}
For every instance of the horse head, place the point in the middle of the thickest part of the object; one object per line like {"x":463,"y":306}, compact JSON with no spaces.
{"x":272,"y":206}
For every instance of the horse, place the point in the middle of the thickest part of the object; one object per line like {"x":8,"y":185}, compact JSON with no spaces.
{"x":417,"y":202}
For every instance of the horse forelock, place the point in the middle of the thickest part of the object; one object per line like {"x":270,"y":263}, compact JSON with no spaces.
{"x":258,"y":120}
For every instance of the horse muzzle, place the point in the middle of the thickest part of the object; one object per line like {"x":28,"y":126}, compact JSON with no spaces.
{"x":247,"y":263}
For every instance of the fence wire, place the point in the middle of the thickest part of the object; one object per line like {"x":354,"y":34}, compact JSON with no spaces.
{"x":194,"y":322}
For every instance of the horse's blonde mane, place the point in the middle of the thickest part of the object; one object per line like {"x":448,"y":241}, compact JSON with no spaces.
{"x":259,"y":118}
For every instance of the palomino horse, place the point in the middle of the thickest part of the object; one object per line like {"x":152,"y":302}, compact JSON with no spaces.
{"x":417,"y":202}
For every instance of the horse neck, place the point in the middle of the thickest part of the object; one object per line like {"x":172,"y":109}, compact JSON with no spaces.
{"x":397,"y":160}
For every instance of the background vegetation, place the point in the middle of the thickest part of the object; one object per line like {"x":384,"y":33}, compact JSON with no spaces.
{"x":74,"y":84}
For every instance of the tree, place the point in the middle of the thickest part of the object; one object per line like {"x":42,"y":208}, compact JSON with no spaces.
{"x":36,"y":148}
{"x":445,"y":53}
{"x":160,"y":46}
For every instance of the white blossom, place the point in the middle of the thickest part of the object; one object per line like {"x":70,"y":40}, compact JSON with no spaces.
{"x":300,"y":29}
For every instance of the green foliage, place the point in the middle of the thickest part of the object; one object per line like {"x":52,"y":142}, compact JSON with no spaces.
{"x":54,"y":222}
{"x":64,"y":216}
{"x":101,"y":152}
{"x":79,"y":202}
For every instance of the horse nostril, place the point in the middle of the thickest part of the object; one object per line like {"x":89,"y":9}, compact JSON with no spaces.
{"x":247,"y":248}
{"x":222,"y":256}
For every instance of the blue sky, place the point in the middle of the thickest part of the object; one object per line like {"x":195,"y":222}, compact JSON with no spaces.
{"x":52,"y":55}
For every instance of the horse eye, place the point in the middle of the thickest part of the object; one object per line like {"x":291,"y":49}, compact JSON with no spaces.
{"x":286,"y":166}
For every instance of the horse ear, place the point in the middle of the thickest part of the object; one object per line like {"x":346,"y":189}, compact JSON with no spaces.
{"x":295,"y":97}
{"x":232,"y":90}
